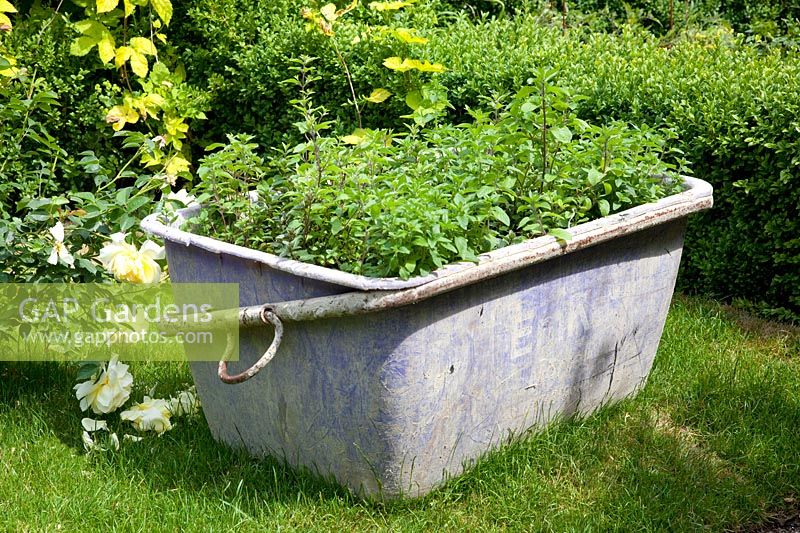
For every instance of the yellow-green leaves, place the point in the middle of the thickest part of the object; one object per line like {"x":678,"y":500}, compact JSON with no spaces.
{"x":6,"y":7}
{"x":133,"y":108}
{"x":119,"y":115}
{"x":176,"y":131}
{"x":329,"y":12}
{"x":327,"y":15}
{"x":426,"y":66}
{"x":409,"y":36}
{"x":390,"y":6}
{"x":176,"y":165}
{"x":7,"y":63}
{"x":163,"y":9}
{"x":135,"y":53}
{"x":395,"y":63}
{"x":93,"y":34}
{"x":7,"y":66}
{"x":352,"y":139}
{"x":378,"y":95}
{"x":404,"y":65}
{"x":104,"y":6}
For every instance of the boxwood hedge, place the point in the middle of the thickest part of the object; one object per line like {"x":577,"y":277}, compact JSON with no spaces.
{"x":733,"y":106}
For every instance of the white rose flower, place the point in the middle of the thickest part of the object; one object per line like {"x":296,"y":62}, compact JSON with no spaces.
{"x":129,"y":264}
{"x":60,"y":252}
{"x":111,"y":390}
{"x":150,"y":415}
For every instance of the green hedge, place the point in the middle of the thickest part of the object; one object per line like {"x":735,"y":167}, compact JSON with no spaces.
{"x":767,"y":18}
{"x":734,"y":107}
{"x":66,"y":115}
{"x":735,"y":110}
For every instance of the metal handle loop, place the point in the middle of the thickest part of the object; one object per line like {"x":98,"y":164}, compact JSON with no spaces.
{"x":268,"y":317}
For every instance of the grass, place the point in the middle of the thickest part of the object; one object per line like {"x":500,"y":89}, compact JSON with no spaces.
{"x":713,"y":442}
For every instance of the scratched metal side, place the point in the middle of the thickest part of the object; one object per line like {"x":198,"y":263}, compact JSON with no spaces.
{"x":391,"y":403}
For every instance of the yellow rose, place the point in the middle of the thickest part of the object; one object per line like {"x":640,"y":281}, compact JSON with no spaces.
{"x":150,"y":415}
{"x":129,"y":264}
{"x":111,"y":390}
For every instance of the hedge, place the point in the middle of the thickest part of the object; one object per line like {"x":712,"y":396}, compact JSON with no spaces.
{"x":733,"y":106}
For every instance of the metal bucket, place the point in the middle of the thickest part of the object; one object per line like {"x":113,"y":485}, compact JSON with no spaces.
{"x":397,"y":385}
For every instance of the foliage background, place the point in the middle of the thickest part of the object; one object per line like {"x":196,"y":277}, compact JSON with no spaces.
{"x":725,"y":84}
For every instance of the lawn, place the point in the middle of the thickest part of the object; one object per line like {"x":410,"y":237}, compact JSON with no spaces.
{"x":712,"y":442}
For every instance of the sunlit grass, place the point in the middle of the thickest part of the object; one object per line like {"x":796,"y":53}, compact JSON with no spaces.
{"x":712,"y":442}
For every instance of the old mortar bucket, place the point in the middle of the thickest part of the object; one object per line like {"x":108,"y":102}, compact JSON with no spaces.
{"x":393,"y":385}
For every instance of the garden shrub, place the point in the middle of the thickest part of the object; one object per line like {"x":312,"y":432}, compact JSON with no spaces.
{"x":242,"y":51}
{"x":383,"y":204}
{"x":67,"y":103}
{"x":731,"y":105}
{"x":769,"y":19}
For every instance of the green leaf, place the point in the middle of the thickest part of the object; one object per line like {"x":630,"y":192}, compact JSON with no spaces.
{"x":82,"y":46}
{"x":462,"y":246}
{"x":560,"y":234}
{"x":136,"y":203}
{"x":122,"y":196}
{"x":562,"y":134}
{"x":127,"y":222}
{"x":87,"y":369}
{"x":594,"y":176}
{"x":414,"y":100}
{"x":605,"y":208}
{"x":500,"y":215}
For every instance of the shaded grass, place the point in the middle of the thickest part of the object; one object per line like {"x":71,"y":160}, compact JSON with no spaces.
{"x":711,"y":443}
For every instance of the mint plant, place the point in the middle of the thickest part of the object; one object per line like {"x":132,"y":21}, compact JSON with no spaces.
{"x":389,"y":204}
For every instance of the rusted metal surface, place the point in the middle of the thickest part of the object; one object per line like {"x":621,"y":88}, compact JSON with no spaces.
{"x":267,"y":318}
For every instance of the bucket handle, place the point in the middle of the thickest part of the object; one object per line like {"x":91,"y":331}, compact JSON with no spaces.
{"x":267,"y":317}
